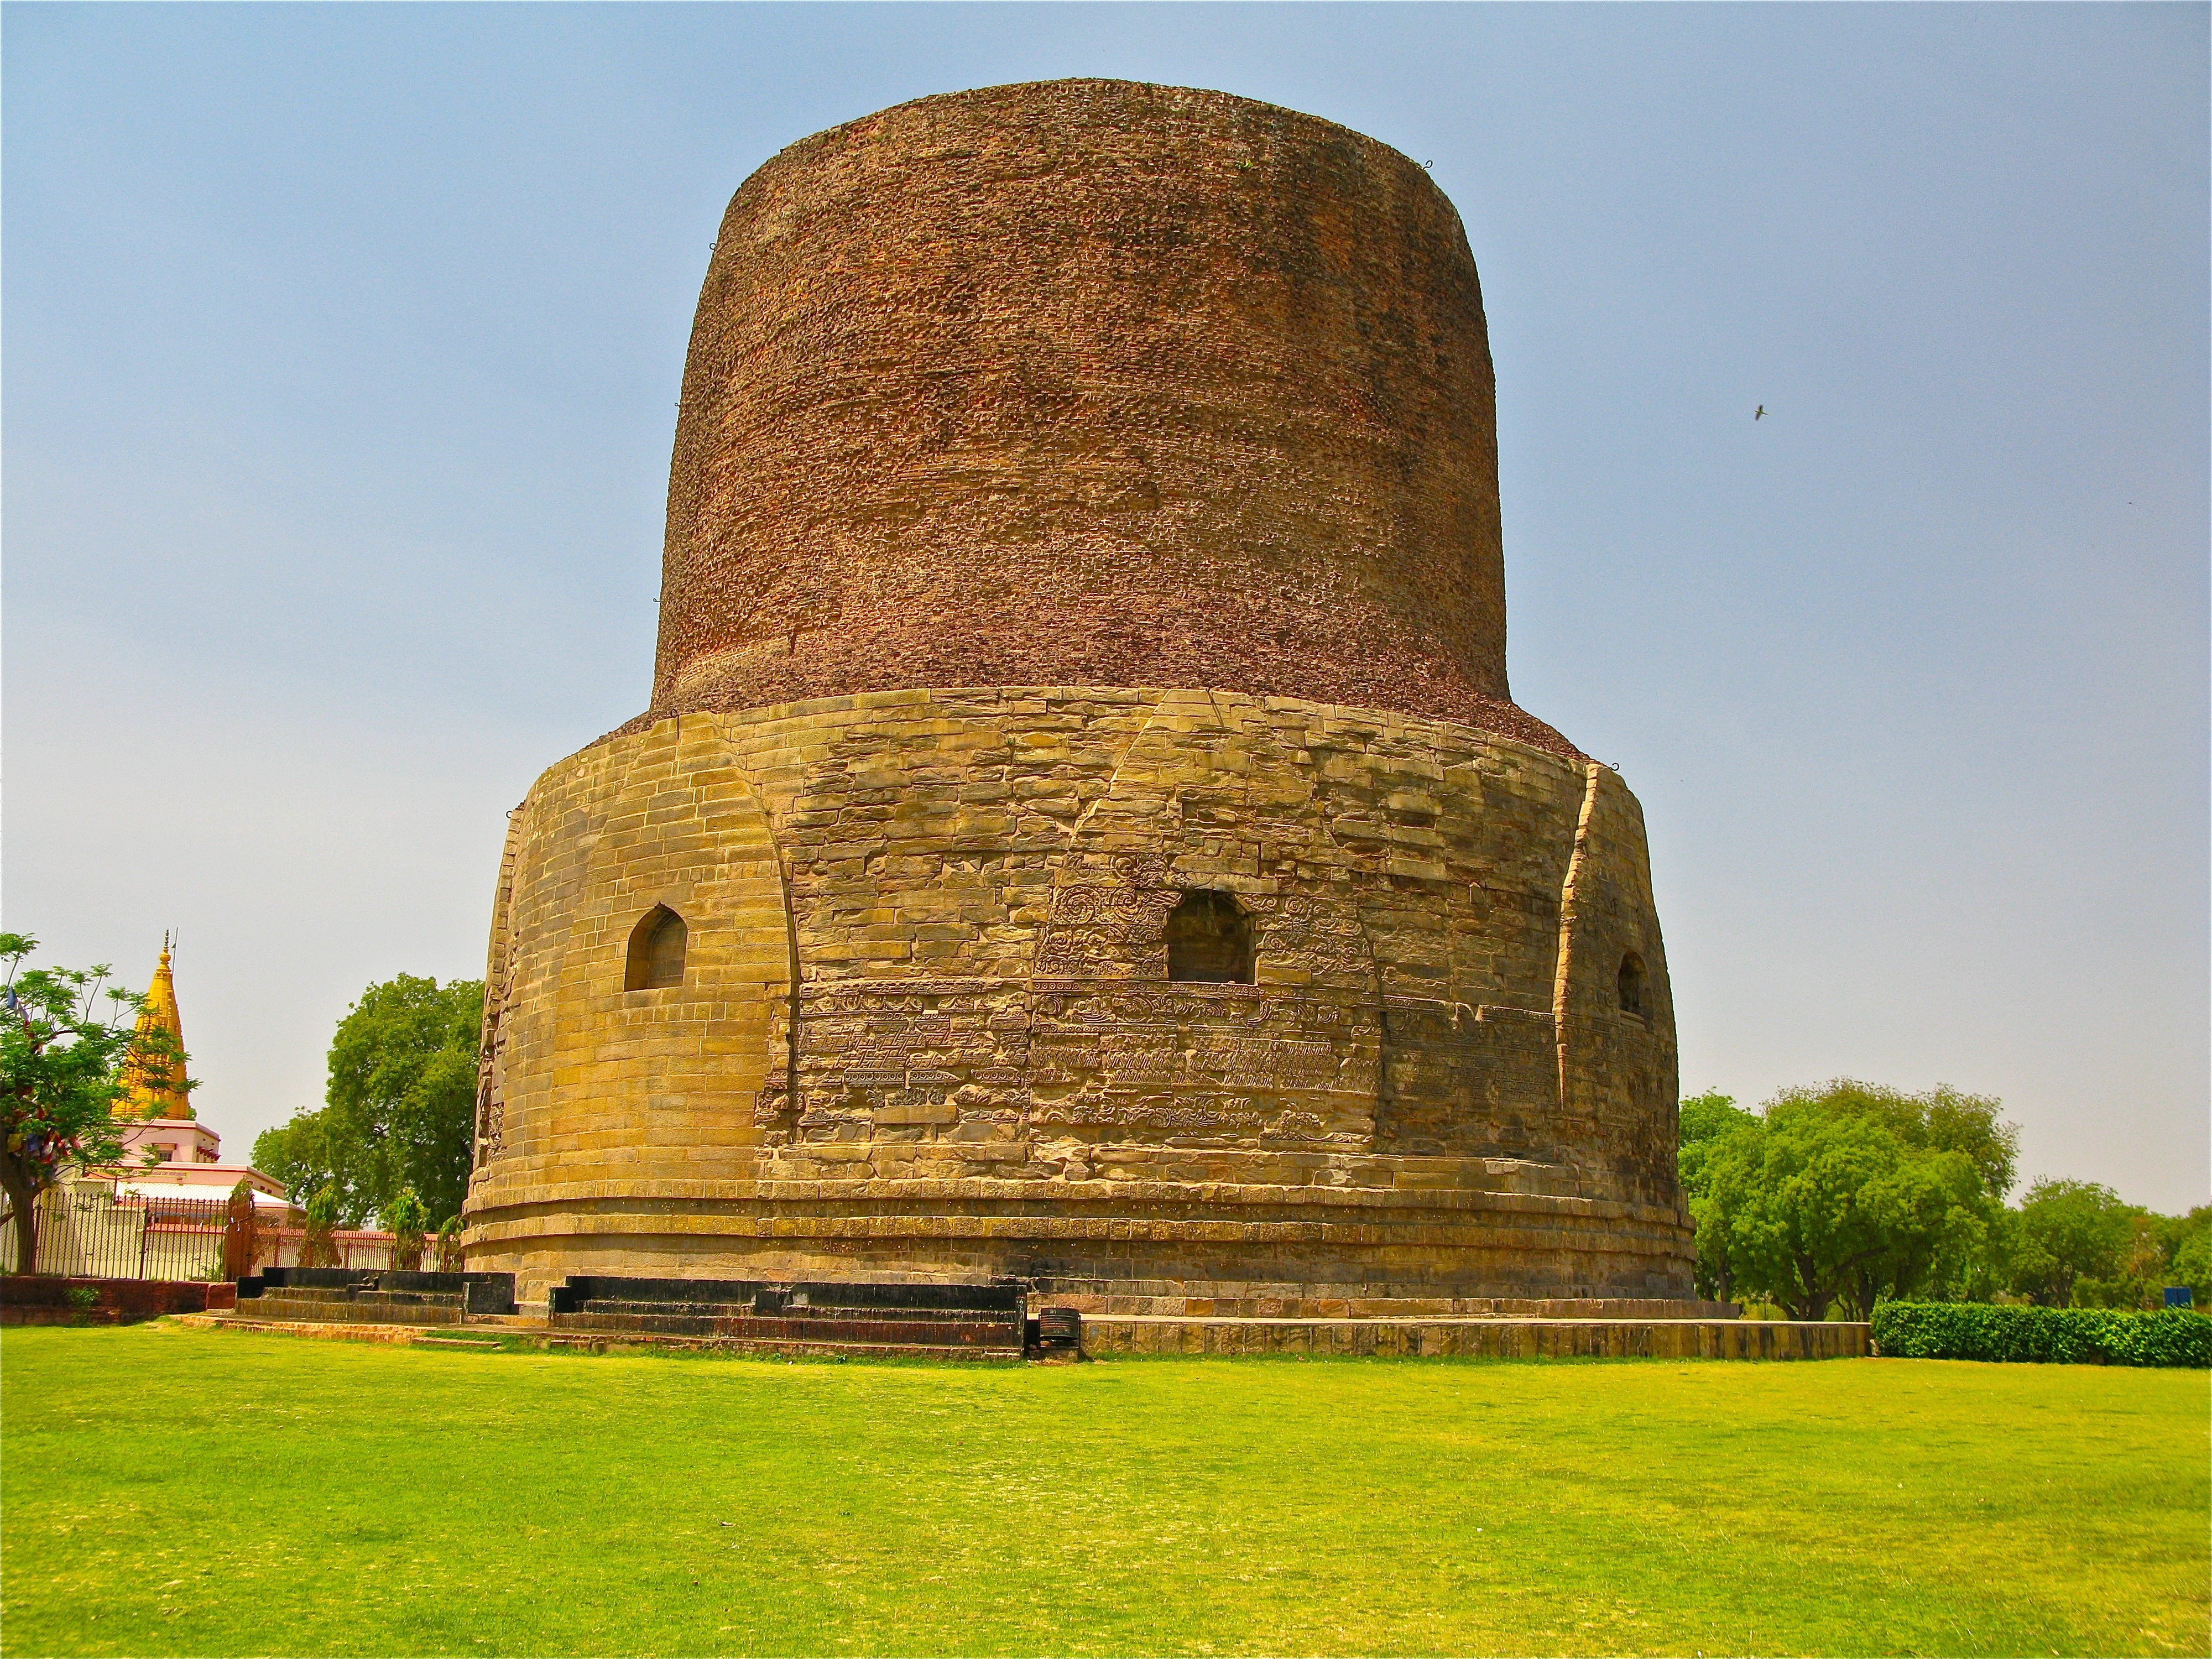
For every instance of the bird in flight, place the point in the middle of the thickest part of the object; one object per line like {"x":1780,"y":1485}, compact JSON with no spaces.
{"x":1759,"y":413}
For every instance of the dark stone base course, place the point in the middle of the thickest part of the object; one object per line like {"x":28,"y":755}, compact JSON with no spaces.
{"x":470,"y":1292}
{"x":1002,"y":1335}
{"x":793,"y":1316}
{"x":767,"y":1295}
{"x":812,"y":1348}
{"x":45,"y":1299}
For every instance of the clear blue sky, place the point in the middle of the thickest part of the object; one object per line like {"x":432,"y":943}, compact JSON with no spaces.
{"x":343,"y":346}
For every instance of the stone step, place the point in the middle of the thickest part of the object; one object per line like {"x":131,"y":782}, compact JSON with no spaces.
{"x":274,"y":1306}
{"x":748,"y":1310}
{"x":810,"y":1347}
{"x":398,"y":1303}
{"x":475,"y":1293}
{"x":890,"y":1330}
{"x":312,"y":1293}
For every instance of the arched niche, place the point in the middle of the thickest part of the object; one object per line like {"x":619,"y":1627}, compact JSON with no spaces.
{"x":657,"y":948}
{"x":1631,"y":985}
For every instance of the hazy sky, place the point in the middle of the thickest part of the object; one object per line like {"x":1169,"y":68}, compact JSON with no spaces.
{"x":342,"y":348}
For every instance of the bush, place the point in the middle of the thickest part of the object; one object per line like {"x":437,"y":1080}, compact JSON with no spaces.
{"x":241,"y":1233}
{"x":450,"y":1260}
{"x":318,"y":1246}
{"x":406,"y":1219}
{"x":2054,"y":1336}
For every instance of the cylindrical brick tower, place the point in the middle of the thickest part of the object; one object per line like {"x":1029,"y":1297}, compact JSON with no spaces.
{"x":1088,"y":383}
{"x":1082,"y":829}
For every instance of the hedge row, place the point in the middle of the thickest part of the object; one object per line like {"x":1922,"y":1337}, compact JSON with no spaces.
{"x":2055,"y":1336}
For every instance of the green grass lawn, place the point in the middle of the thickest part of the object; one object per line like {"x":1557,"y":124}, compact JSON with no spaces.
{"x":177,"y":1491}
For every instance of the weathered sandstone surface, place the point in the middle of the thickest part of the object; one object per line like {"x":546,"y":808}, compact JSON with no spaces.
{"x":1082,"y":829}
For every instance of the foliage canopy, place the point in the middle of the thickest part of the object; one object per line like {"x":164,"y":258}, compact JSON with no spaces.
{"x":400,"y":1109}
{"x":1846,"y":1193}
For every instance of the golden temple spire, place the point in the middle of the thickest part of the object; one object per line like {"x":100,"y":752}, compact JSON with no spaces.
{"x":155,"y":1087}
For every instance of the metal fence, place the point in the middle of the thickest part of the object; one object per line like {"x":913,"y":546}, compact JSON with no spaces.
{"x":88,"y":1230}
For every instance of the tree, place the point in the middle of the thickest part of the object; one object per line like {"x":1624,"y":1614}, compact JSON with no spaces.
{"x":2190,"y":1260}
{"x":1943,"y":1119}
{"x":400,"y":1109}
{"x":61,"y":1065}
{"x":296,"y":1153}
{"x":2068,"y":1231}
{"x":1706,"y":1120}
{"x":1949,"y":1236}
{"x":1848,"y":1193}
{"x":1781,"y":1209}
{"x":2160,"y":1250}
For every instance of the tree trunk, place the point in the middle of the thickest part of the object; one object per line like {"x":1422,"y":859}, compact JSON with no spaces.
{"x":23,"y":1206}
{"x":1866,"y":1287}
{"x":1812,"y":1306}
{"x":1812,"y":1302}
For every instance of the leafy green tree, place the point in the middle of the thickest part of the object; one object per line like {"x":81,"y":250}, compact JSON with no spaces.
{"x":1847,"y":1193}
{"x":400,"y":1109}
{"x":2142,"y":1270}
{"x":297,"y":1154}
{"x":61,"y":1063}
{"x":2069,"y":1231}
{"x":1706,"y":1120}
{"x":1961,"y":1256}
{"x":1943,"y":1119}
{"x":1783,"y":1209}
{"x":2155,"y":1252}
{"x":2189,"y":1260}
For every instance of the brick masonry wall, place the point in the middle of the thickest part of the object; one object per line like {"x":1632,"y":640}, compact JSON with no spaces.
{"x":1089,"y":383}
{"x":46,"y":1299}
{"x":924,"y":1024}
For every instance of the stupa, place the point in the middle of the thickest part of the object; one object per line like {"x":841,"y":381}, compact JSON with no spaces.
{"x":1082,"y":830}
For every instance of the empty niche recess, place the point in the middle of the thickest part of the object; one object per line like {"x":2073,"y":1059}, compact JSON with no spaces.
{"x":1210,"y":940}
{"x":1629,"y":983}
{"x":657,"y":943}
